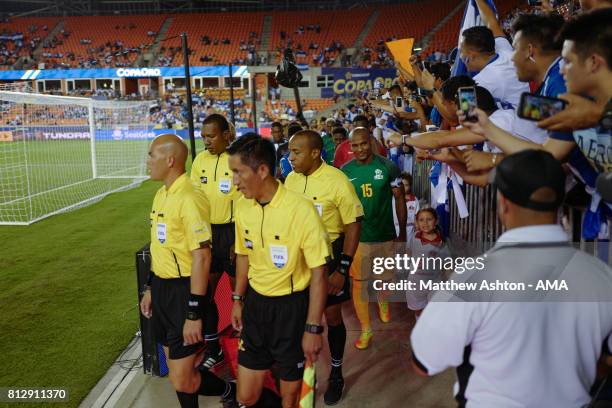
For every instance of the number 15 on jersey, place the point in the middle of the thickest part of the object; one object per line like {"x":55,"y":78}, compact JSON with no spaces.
{"x":366,"y":190}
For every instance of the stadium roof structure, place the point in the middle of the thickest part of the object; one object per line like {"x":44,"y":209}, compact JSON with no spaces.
{"x":13,"y":8}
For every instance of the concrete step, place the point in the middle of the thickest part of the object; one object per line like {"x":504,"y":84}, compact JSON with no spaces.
{"x":266,"y":33}
{"x":153,"y":53}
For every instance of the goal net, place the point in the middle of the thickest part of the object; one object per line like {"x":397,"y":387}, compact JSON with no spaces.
{"x":59,"y":153}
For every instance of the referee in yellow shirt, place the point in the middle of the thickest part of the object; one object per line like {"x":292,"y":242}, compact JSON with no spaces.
{"x":335,"y":199}
{"x":281,"y":287}
{"x":210,"y":171}
{"x":176,"y":294}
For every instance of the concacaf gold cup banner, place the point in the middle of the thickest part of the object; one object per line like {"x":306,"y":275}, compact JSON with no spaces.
{"x":346,"y":81}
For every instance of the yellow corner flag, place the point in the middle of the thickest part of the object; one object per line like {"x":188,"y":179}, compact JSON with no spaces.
{"x":307,"y":394}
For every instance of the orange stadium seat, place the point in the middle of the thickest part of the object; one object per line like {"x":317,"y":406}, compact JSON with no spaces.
{"x":30,"y":27}
{"x":447,"y":37}
{"x":130,"y":30}
{"x":234,"y":26}
{"x":330,"y":30}
{"x":407,"y":20}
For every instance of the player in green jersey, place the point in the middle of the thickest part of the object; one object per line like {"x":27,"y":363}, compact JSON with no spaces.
{"x":376,"y":181}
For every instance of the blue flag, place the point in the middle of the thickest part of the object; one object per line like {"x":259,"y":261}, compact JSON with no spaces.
{"x":471,"y":18}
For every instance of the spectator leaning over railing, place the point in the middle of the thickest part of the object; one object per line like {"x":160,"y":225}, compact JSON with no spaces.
{"x":545,"y":343}
{"x":587,"y":70}
{"x":490,"y":56}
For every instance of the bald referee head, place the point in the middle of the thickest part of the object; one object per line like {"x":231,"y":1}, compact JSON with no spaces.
{"x":305,"y":151}
{"x":167,"y":156}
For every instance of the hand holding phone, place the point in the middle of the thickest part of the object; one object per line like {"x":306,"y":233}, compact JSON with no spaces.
{"x":399,"y":102}
{"x":467,"y":102}
{"x":536,"y":107}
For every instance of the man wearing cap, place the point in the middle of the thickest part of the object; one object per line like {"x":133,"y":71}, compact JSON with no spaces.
{"x":529,"y":347}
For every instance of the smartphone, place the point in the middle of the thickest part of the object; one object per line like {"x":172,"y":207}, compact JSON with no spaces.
{"x":467,"y":102}
{"x":536,"y":107}
{"x":534,"y":3}
{"x":399,"y":102}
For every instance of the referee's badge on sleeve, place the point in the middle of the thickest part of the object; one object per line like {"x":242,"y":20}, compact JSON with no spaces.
{"x":225,"y":186}
{"x":248,"y":243}
{"x":319,"y":208}
{"x":279,"y":255}
{"x":161,"y":233}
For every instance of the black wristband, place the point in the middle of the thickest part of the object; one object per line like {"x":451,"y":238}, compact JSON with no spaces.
{"x":345,"y":264}
{"x":313,"y":328}
{"x":196,"y":305}
{"x":149,"y":279}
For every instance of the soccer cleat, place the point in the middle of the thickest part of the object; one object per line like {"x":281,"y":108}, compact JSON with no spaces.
{"x":335,"y":386}
{"x":211,"y":358}
{"x":229,"y":400}
{"x":383,"y":312}
{"x":363,"y":342}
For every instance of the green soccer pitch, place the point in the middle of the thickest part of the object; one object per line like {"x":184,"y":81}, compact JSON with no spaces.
{"x":40,"y":178}
{"x":68,"y":297}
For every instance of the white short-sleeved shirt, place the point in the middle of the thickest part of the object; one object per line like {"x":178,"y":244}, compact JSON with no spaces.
{"x":507,"y":120}
{"x":499,"y":76}
{"x":530,"y":354}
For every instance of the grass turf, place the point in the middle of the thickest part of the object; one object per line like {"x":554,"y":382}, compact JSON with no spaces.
{"x":43,"y":176}
{"x":68,"y":293}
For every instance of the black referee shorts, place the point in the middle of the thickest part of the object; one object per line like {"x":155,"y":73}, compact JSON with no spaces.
{"x":272,"y":331}
{"x":223,"y":237}
{"x":169,"y":300}
{"x":332,"y":266}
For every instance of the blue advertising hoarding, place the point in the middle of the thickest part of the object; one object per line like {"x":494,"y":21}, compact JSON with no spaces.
{"x":10,"y":133}
{"x":212,"y":71}
{"x":349,"y":80}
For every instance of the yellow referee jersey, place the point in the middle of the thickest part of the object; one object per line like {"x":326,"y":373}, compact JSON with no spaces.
{"x":283,"y":239}
{"x":212,"y":174}
{"x":179,"y":223}
{"x":332,"y":194}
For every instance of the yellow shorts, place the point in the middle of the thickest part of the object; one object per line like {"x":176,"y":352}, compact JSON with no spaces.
{"x":364,"y":262}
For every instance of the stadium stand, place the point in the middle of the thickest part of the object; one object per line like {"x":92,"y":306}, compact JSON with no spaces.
{"x":101,"y":41}
{"x":207,"y":45}
{"x":315,"y":36}
{"x":445,"y":38}
{"x":276,"y":109}
{"x":21,"y":35}
{"x":310,"y":33}
{"x":402,"y":21}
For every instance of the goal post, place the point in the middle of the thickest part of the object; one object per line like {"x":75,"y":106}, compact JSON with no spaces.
{"x":59,"y":153}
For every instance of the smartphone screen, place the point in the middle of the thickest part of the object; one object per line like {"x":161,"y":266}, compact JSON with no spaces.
{"x":535,"y":107}
{"x":467,"y":102}
{"x":399,"y":102}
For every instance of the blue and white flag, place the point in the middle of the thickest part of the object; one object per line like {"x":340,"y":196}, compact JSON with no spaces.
{"x":471,"y":18}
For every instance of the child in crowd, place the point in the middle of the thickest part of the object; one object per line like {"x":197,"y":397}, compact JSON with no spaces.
{"x":412,"y":206}
{"x":424,"y":245}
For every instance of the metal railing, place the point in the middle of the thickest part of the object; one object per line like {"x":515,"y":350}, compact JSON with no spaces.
{"x":478,"y":232}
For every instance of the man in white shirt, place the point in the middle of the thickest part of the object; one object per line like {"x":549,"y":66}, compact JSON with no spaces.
{"x":527,"y":348}
{"x":491,"y":57}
